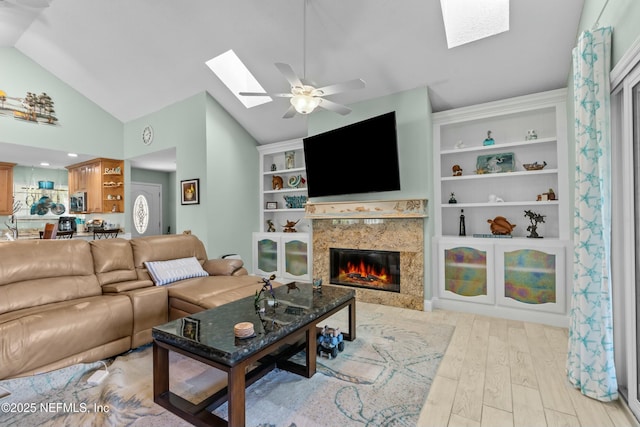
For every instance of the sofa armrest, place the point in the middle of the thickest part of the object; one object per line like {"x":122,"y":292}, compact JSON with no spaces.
{"x":223,"y":267}
{"x":126,"y":286}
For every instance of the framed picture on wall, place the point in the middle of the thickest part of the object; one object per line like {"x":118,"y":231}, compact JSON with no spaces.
{"x":190,"y":191}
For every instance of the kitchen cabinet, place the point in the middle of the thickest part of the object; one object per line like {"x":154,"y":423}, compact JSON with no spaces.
{"x":287,"y":255}
{"x":103,"y":181}
{"x":6,"y":188}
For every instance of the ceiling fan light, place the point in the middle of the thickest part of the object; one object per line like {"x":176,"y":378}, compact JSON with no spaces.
{"x":304,"y":104}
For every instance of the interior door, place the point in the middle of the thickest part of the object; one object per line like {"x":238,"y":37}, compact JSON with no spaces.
{"x":146,"y":209}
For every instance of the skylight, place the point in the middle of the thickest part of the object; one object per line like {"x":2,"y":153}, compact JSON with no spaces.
{"x":235,"y":75}
{"x":466,"y":21}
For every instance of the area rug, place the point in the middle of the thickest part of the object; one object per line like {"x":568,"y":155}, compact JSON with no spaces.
{"x":380,"y":379}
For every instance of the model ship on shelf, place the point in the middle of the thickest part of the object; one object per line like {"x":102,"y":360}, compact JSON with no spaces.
{"x":534,"y":166}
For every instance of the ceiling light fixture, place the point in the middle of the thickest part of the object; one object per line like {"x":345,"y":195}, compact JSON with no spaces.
{"x":304,"y":102}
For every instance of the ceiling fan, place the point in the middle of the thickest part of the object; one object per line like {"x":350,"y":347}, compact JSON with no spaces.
{"x":305,"y":97}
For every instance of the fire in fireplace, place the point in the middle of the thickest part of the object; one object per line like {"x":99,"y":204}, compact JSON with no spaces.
{"x":361,"y":268}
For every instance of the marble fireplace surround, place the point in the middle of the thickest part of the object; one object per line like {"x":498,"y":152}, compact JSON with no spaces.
{"x":390,"y":225}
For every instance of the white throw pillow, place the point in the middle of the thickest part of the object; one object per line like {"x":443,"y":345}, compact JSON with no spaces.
{"x":165,"y":272}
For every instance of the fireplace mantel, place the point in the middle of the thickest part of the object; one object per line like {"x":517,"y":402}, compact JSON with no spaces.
{"x":405,"y":208}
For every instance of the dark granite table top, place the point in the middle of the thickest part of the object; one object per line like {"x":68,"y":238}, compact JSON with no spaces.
{"x":210,"y":333}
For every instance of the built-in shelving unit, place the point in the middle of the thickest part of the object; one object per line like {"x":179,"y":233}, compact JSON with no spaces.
{"x":517,"y":276}
{"x":283,"y":195}
{"x":283,"y":161}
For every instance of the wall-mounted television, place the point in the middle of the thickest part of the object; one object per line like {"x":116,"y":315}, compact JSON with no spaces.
{"x":357,"y":158}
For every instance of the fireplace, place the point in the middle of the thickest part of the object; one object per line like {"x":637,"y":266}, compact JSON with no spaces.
{"x":370,"y":269}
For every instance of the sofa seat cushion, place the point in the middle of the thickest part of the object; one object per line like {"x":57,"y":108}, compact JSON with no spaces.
{"x":38,"y":336}
{"x":212,"y":291}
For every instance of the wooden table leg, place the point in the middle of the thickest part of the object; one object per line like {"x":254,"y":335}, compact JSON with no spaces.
{"x":352,"y":320}
{"x":160,"y":371}
{"x":236,"y":396}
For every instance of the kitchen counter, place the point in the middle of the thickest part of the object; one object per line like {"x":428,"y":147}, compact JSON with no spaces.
{"x":82,"y":235}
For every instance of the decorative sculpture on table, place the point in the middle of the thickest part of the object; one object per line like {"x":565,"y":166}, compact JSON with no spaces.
{"x":261,"y":295}
{"x":535,"y":219}
{"x":501,"y":226}
{"x":488,"y":140}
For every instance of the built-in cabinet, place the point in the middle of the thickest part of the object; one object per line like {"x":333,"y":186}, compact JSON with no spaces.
{"x":517,"y":279}
{"x":287,"y":255}
{"x":6,"y":188}
{"x":503,"y":159}
{"x":283,"y":196}
{"x":103,"y":181}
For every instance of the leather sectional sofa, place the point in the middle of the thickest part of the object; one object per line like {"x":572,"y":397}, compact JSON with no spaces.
{"x":70,"y":301}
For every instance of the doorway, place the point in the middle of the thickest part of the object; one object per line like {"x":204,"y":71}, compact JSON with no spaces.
{"x":146,"y":209}
{"x":625,"y":115}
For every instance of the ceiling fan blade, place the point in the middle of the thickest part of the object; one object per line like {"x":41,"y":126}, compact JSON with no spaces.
{"x":289,"y":74}
{"x":290,"y":113}
{"x":277,"y":95}
{"x":341,"y":87}
{"x":334,"y":106}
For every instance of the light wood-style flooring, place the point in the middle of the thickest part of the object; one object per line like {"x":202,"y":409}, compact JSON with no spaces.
{"x":499,"y":372}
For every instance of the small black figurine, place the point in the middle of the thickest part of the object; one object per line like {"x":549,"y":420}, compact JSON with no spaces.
{"x":534,"y":218}
{"x":463,"y":231}
{"x":452,"y":199}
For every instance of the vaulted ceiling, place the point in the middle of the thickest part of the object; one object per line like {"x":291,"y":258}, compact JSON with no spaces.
{"x":135,"y":57}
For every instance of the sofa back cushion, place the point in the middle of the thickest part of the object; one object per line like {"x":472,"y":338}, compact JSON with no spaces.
{"x":164,"y":248}
{"x":113,"y":261}
{"x":38,"y":272}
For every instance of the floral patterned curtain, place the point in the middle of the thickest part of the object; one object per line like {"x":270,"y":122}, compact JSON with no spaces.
{"x":590,"y":365}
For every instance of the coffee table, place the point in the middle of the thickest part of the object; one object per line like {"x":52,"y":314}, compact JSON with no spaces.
{"x":209,"y":337}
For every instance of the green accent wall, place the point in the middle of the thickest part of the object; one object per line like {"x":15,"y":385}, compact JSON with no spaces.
{"x":209,"y":145}
{"x":623,"y":16}
{"x":82,"y":127}
{"x":415,"y":148}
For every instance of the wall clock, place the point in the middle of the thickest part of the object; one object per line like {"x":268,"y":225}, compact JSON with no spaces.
{"x":147,"y":135}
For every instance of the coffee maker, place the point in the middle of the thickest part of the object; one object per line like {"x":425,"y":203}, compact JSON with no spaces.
{"x":67,"y":223}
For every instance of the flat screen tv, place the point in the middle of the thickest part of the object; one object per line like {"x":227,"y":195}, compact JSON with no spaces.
{"x":357,"y":158}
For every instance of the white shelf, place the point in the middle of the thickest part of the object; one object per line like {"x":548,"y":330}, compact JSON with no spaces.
{"x":499,"y":204}
{"x":515,"y":144}
{"x":286,"y":171}
{"x":286,"y":190}
{"x":284,"y":210}
{"x":502,"y":175}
